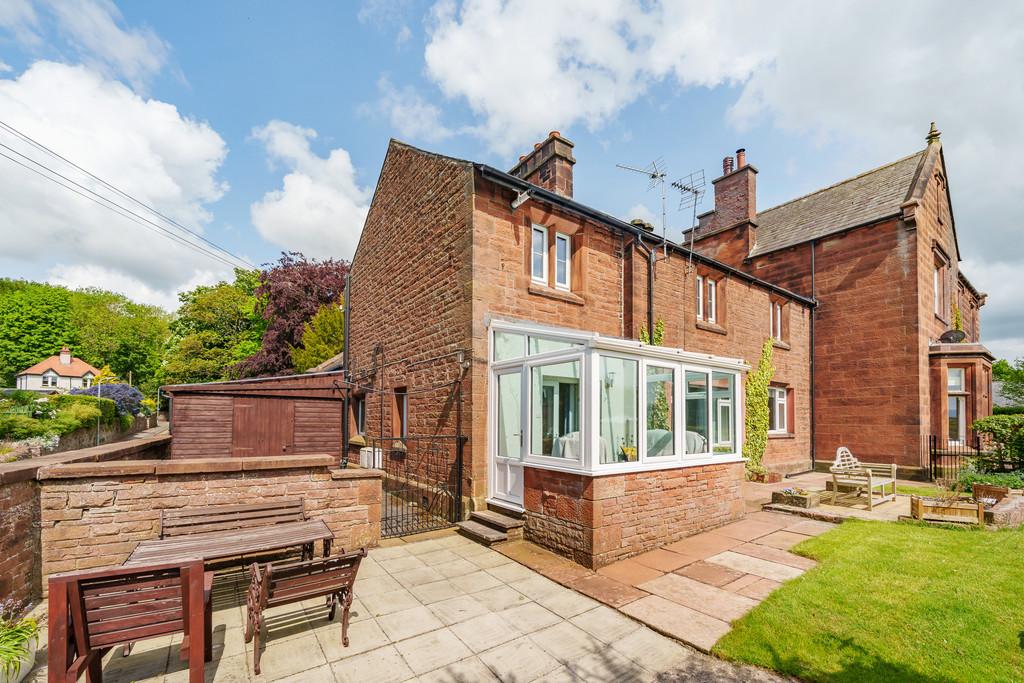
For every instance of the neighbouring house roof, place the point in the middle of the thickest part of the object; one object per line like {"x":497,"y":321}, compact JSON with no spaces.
{"x":77,"y":368}
{"x":333,"y":363}
{"x":863,"y":199}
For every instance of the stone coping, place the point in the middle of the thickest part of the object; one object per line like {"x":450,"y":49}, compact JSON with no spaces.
{"x":25,"y":470}
{"x":120,"y":468}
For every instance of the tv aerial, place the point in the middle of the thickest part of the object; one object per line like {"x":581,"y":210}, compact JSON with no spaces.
{"x":656,"y":173}
{"x":691,"y":188}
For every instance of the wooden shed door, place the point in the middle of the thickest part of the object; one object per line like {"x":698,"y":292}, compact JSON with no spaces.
{"x":263,"y":426}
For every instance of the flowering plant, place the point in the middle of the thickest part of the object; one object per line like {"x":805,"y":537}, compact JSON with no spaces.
{"x":16,"y":632}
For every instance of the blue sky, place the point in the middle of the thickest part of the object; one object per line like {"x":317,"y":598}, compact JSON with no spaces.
{"x":264,"y":126}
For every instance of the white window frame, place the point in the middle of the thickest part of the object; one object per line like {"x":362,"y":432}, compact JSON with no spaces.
{"x":50,"y":379}
{"x":592,"y":347}
{"x":775,"y":320}
{"x":700,"y":297}
{"x":360,"y":414}
{"x":778,"y":404}
{"x":712,"y":300}
{"x":542,"y":277}
{"x":562,"y":237}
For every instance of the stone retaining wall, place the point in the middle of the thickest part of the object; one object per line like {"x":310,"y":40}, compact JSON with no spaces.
{"x":93,"y":515}
{"x":599,"y":520}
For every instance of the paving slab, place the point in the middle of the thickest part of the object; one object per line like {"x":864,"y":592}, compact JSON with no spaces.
{"x":607,"y":624}
{"x":486,"y":631}
{"x":664,"y":560}
{"x":783,"y":540}
{"x":429,"y":593}
{"x":810,"y":527}
{"x":759,"y":590}
{"x":742,"y":582}
{"x":710,"y":573}
{"x":459,"y":608}
{"x":657,"y":652}
{"x":519,"y":660}
{"x":432,"y":650}
{"x":567,"y":603}
{"x":469,"y":670}
{"x":629,"y":572}
{"x":703,"y":545}
{"x":500,"y":598}
{"x":566,"y":642}
{"x":383,"y":665}
{"x":607,"y":590}
{"x":409,"y":623}
{"x":771,"y":554}
{"x":530,"y":617}
{"x":678,"y":621}
{"x":753,"y":565}
{"x":714,"y":602}
{"x":749,"y":529}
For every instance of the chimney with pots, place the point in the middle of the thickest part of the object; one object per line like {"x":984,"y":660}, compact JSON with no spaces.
{"x":735,"y":194}
{"x":549,"y":165}
{"x":65,"y":356}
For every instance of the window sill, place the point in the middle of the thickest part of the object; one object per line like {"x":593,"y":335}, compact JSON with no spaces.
{"x":779,"y":344}
{"x":557,"y":294}
{"x":632,"y":467}
{"x":781,"y":435}
{"x":711,"y":327}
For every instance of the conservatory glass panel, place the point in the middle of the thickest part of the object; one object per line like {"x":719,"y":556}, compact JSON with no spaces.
{"x":696,"y":412}
{"x":555,"y":410}
{"x":619,"y":410}
{"x":661,"y":438}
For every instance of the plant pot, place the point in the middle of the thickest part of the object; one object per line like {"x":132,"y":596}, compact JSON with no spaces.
{"x":26,"y":665}
{"x":811,"y":499}
{"x":935,"y":510}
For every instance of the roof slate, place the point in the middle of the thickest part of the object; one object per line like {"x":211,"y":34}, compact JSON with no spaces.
{"x":869,"y":196}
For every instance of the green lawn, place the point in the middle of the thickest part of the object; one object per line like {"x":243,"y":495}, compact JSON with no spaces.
{"x":924,"y":490}
{"x":894,"y":602}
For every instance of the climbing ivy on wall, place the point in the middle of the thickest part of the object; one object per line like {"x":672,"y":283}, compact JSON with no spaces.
{"x":757,"y":410}
{"x":658,"y":409}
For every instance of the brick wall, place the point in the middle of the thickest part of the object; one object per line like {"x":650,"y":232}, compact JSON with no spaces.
{"x":598,"y":520}
{"x":19,"y":540}
{"x":93,"y":515}
{"x":411,"y":287}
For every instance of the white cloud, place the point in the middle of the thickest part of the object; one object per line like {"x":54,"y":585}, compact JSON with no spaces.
{"x":410,"y":115}
{"x":641,"y":211}
{"x":96,"y":30}
{"x":87,"y":275}
{"x":145,"y":147}
{"x":403,"y":36}
{"x":5,"y":67}
{"x":320,"y":208}
{"x":843,"y":73}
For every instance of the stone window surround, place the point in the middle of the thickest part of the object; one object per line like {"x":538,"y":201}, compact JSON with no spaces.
{"x":593,"y":346}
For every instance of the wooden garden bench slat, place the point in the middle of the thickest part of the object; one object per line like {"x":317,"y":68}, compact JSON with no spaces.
{"x":222,"y":531}
{"x":282,"y":584}
{"x":90,"y":612}
{"x":848,"y":472}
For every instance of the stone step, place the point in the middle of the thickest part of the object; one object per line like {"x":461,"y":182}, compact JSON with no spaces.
{"x":481,"y":533}
{"x":496,"y":519}
{"x":502,"y":510}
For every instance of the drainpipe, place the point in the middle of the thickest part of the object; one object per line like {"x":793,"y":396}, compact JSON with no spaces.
{"x":346,"y":375}
{"x":651,"y":256}
{"x":814,"y":310}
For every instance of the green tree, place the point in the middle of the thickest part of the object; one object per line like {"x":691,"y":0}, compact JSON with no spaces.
{"x":216,"y":327}
{"x":757,"y":410}
{"x":35,"y":322}
{"x":323,"y":337}
{"x":1012,"y":377}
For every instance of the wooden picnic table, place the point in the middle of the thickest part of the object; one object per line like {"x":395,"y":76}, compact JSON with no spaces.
{"x":222,"y":531}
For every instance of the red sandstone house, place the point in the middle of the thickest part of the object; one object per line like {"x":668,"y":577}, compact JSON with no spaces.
{"x":493,"y":305}
{"x":879,"y":254}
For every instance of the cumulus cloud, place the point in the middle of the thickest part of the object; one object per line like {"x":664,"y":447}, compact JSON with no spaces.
{"x":410,"y":115}
{"x":320,"y":208}
{"x":843,"y":73}
{"x":96,"y":30}
{"x":145,"y":147}
{"x":5,"y":67}
{"x":76,"y":276}
{"x":642,"y":212}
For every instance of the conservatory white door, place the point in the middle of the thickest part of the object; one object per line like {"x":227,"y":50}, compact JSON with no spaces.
{"x":507,"y":448}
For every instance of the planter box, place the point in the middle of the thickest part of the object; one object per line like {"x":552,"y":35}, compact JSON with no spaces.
{"x":934,"y":510}
{"x":811,"y":499}
{"x":26,"y":665}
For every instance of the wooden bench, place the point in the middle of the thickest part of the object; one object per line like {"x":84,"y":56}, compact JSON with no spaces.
{"x":862,"y":477}
{"x":93,"y":611}
{"x":222,"y":531}
{"x":284,"y":584}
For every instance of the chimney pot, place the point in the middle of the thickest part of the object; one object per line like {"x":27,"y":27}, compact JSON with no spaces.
{"x":554,"y":134}
{"x":65,"y":356}
{"x":549,"y":164}
{"x":536,"y":145}
{"x":521,"y":157}
{"x":741,"y":157}
{"x":726,"y":165}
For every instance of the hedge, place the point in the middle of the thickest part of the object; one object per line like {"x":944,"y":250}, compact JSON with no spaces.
{"x":1008,"y":410}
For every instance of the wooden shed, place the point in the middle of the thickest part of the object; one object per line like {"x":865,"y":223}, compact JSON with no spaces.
{"x":288,"y":415}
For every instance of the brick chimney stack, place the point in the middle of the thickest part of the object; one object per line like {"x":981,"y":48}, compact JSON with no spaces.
{"x":65,"y":356}
{"x":549,"y":165}
{"x":735,"y":193}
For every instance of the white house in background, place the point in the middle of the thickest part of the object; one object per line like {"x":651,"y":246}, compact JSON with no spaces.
{"x":61,"y":372}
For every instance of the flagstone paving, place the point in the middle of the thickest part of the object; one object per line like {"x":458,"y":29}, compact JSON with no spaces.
{"x":446,"y":609}
{"x":694,"y":588}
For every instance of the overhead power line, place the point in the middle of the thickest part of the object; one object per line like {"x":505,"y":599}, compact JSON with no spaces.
{"x":167,"y":233}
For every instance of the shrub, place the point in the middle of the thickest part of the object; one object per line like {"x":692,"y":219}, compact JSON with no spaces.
{"x":1008,"y":410}
{"x":107,"y":408}
{"x":16,"y":632}
{"x":22,"y":397}
{"x":1006,"y":435}
{"x":148,"y":406}
{"x":19,"y":427}
{"x":127,"y":398}
{"x":967,"y":478}
{"x":126,"y":421}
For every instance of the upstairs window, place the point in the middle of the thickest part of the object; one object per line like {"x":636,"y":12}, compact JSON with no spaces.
{"x":712,"y":311}
{"x":775,"y":320}
{"x":940,"y":283}
{"x":359,"y":413}
{"x":563,"y":260}
{"x":707,"y":291}
{"x":778,"y":410}
{"x":539,"y":254}
{"x":401,"y":413}
{"x":700,"y":297}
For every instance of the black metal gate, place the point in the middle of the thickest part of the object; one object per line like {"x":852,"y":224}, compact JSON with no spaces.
{"x":422,"y":488}
{"x":947,"y":458}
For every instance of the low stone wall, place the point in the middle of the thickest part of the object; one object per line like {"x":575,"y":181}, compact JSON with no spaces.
{"x":20,"y":513}
{"x":598,"y":520}
{"x":93,"y":515}
{"x":1007,"y":513}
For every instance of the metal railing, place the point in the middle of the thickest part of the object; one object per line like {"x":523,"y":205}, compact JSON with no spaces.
{"x":947,"y":458}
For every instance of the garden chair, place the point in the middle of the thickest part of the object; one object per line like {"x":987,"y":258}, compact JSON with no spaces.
{"x":861,"y":477}
{"x":93,"y":611}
